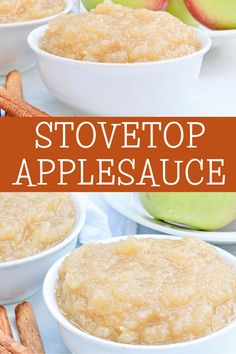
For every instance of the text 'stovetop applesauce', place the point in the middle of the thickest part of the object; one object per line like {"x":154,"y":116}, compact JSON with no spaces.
{"x":148,"y":291}
{"x":116,"y":34}
{"x":33,"y":222}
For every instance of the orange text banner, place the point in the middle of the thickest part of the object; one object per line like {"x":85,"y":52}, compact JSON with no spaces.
{"x":118,"y":154}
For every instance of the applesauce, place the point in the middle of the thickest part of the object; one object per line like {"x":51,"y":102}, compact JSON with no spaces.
{"x":33,"y":222}
{"x":147,"y":291}
{"x":112,"y":33}
{"x":25,"y":10}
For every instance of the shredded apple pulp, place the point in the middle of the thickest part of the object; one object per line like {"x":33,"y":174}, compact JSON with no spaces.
{"x":148,"y":291}
{"x":25,"y":10}
{"x":33,"y":222}
{"x":116,"y":34}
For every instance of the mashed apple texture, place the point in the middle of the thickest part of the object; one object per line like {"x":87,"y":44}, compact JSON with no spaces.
{"x":25,"y":10}
{"x":33,"y":222}
{"x":148,"y":291}
{"x":116,"y":34}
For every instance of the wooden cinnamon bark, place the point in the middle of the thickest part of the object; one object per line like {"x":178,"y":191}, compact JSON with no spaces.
{"x":28,"y":328}
{"x":3,"y":350}
{"x":12,"y":346}
{"x":4,"y":322}
{"x":18,"y":107}
{"x":14,"y":84}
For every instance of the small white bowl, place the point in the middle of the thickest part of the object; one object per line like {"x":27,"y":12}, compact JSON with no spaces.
{"x":79,"y":342}
{"x":110,"y":89}
{"x":219,"y":38}
{"x":15,"y":52}
{"x":22,"y":278}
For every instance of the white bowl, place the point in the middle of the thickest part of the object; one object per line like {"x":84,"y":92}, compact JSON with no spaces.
{"x":220,"y":38}
{"x":22,"y":278}
{"x":110,"y":89}
{"x":15,"y":52}
{"x":79,"y":342}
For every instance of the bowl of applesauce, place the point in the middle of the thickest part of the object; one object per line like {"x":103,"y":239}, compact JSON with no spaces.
{"x":36,"y":229}
{"x":143,"y":294}
{"x":115,"y":60}
{"x":17,"y":19}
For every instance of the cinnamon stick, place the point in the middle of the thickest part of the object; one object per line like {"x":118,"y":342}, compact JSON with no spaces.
{"x":3,"y":350}
{"x":28,"y":328}
{"x":4,"y":322}
{"x":14,"y":84}
{"x":13,"y":109}
{"x":12,"y":346}
{"x":18,"y":107}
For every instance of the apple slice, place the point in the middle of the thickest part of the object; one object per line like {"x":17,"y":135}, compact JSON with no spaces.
{"x":136,"y":4}
{"x":214,"y":14}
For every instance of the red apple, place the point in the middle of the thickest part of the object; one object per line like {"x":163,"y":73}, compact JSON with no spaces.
{"x":214,"y":14}
{"x":157,"y":4}
{"x":178,"y":9}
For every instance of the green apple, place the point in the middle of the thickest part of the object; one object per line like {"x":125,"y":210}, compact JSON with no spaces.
{"x":205,"y":211}
{"x":136,"y":4}
{"x":178,"y":9}
{"x":214,"y":14}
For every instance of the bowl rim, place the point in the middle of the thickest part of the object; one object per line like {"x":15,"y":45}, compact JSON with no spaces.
{"x":38,"y":22}
{"x":217,"y":33}
{"x":50,"y":299}
{"x":36,"y":34}
{"x":81,"y":216}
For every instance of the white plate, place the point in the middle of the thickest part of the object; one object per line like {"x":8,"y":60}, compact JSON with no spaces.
{"x":128,"y":205}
